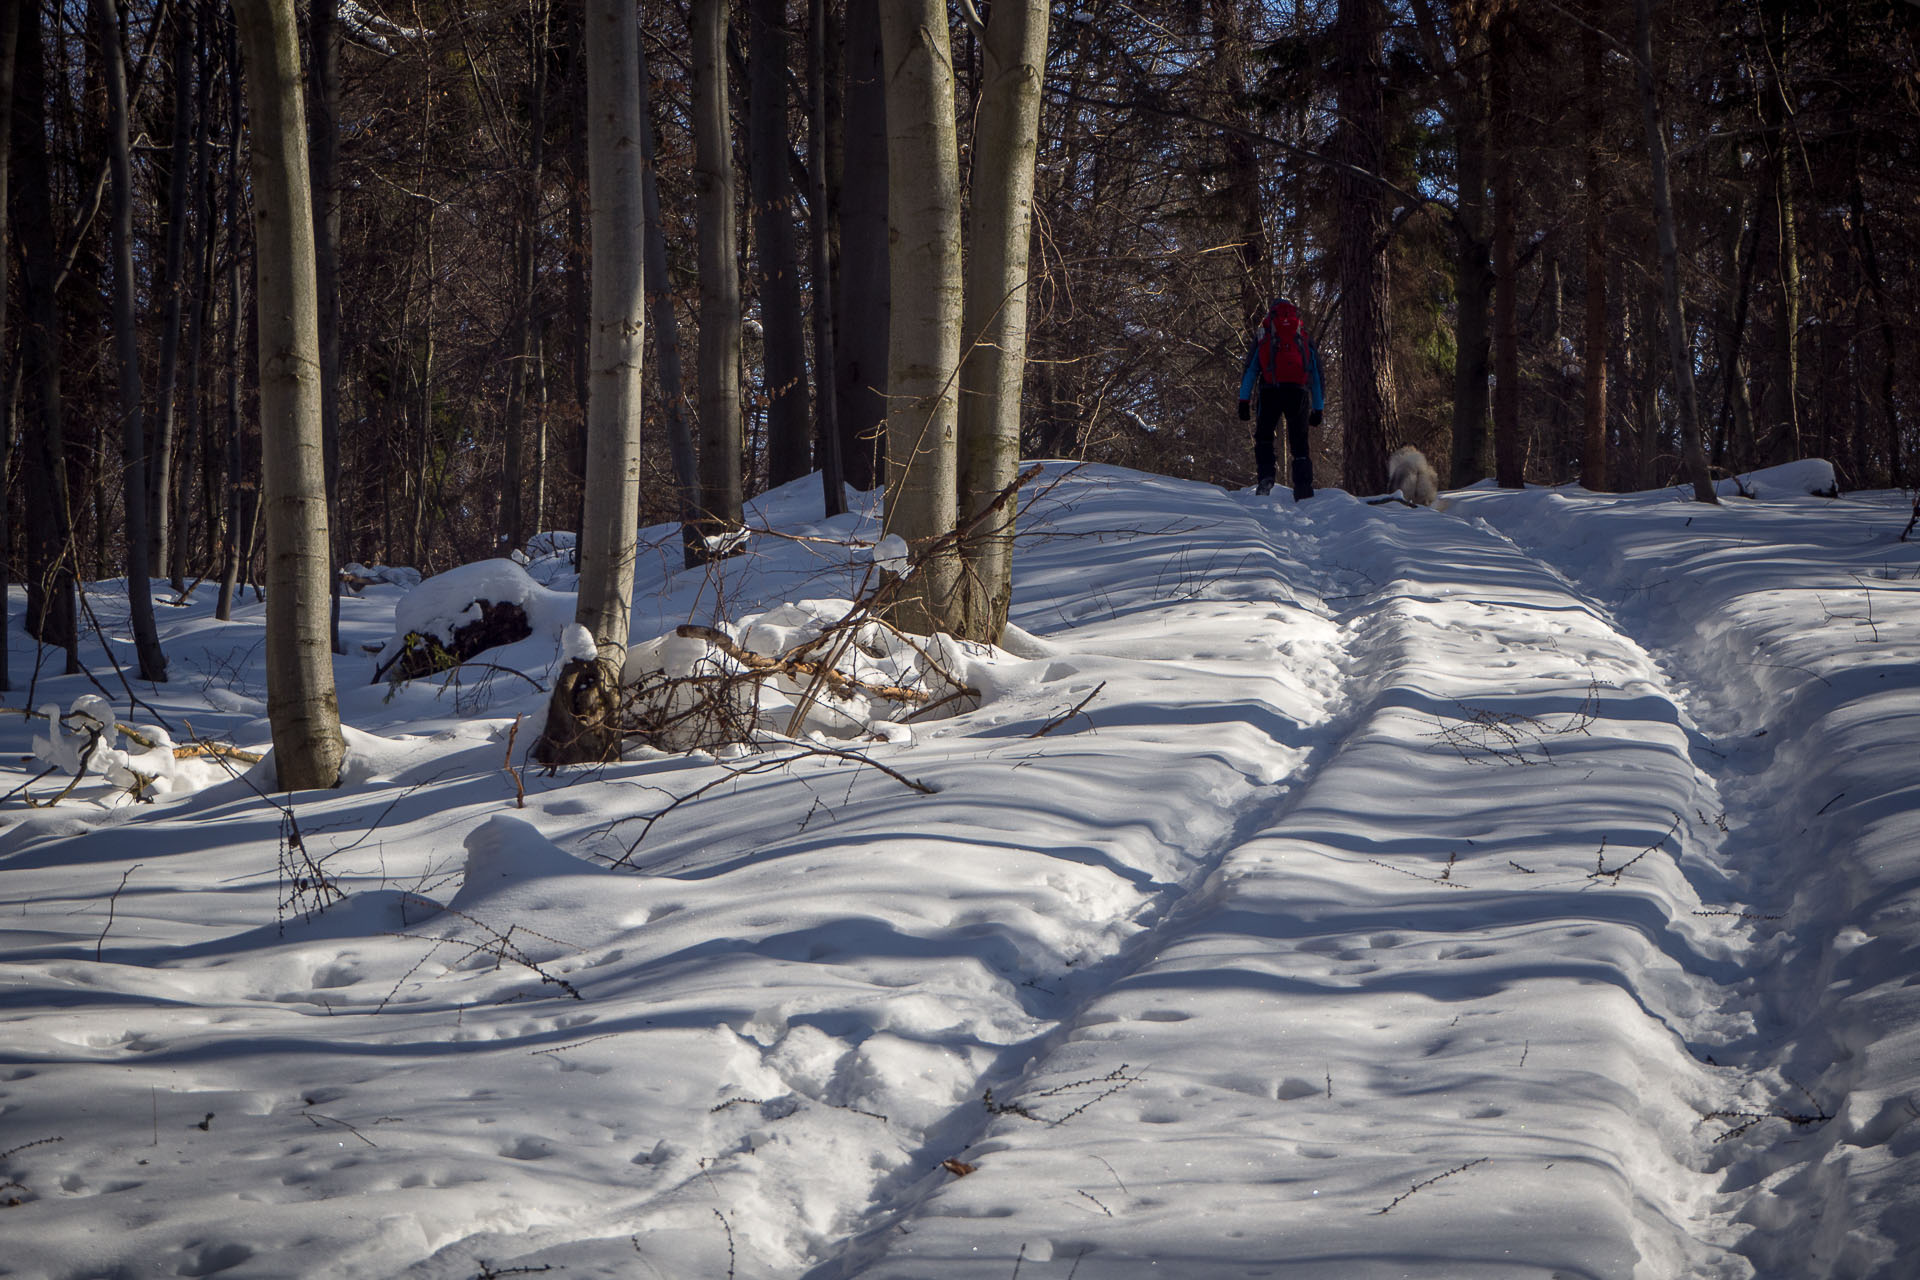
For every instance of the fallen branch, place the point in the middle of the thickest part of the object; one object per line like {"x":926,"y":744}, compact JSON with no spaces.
{"x":1462,"y":1168}
{"x":198,"y":750}
{"x":763,"y":765}
{"x":1069,"y":714}
{"x":842,"y":684}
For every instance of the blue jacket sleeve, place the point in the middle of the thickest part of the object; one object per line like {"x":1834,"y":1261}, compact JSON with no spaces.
{"x":1248,"y":374}
{"x":1317,"y":396}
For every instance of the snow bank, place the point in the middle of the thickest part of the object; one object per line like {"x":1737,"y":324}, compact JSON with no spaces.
{"x":1809,"y":476}
{"x":447,"y":601}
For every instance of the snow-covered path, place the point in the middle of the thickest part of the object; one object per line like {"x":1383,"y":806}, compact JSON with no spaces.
{"x":1443,"y":961}
{"x":1320,"y":890}
{"x":1791,"y":629}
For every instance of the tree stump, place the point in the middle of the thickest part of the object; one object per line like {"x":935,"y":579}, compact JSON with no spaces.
{"x":583,"y":720}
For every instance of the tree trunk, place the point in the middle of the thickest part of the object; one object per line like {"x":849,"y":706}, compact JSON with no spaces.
{"x":865,"y":292}
{"x":200,"y":296}
{"x":718,"y":359}
{"x":924,"y":337}
{"x":1882,"y":321}
{"x":1371,"y":416}
{"x":1228,"y":20}
{"x":582,"y":724}
{"x":133,"y":438}
{"x":819,"y":163}
{"x":1473,"y":291}
{"x":770,"y":174}
{"x":1593,"y":451}
{"x":160,"y":457}
{"x":323,"y":145}
{"x":307,"y":746}
{"x":51,"y":608}
{"x":1777,"y":252}
{"x":666,"y":343}
{"x":995,"y":355}
{"x":1509,"y":445}
{"x":1693,"y":457}
{"x":9,"y":40}
{"x":232,"y":541}
{"x":1733,"y":444}
{"x":513,"y":517}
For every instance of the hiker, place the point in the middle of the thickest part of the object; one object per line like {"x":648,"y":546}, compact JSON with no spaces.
{"x":1287,"y":370}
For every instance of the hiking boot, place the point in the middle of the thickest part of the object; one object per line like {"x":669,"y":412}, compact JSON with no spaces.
{"x":1302,"y":479}
{"x":1264,"y":488}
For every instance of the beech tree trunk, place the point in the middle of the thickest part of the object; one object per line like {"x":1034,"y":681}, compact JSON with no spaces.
{"x":994,"y":359}
{"x":582,"y":721}
{"x":1693,"y":456}
{"x":718,"y":359}
{"x":924,"y":337}
{"x":323,"y":146}
{"x":301,"y":704}
{"x":133,"y":438}
{"x":770,"y":175}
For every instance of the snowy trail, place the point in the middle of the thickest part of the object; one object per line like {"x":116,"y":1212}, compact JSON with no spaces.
{"x":1790,"y":629}
{"x":1327,"y":891}
{"x":1442,"y":1023}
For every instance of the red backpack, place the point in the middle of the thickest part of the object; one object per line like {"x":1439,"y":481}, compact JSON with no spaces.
{"x":1283,"y":357}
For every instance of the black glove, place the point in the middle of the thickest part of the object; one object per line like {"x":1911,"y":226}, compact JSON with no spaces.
{"x":1245,"y":412}
{"x":1314,"y":417}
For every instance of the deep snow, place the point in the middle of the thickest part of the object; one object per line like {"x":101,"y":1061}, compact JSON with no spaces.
{"x":1522,"y":890}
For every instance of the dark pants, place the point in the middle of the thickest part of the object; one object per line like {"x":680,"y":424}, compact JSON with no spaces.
{"x":1290,"y":401}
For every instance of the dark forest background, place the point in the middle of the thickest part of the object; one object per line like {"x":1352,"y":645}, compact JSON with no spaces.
{"x":1193,"y":162}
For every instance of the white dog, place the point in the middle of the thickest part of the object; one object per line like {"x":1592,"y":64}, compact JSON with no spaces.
{"x":1410,"y":473}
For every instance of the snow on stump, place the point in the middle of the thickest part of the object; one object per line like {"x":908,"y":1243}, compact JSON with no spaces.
{"x":453,"y":616}
{"x":583,"y":719}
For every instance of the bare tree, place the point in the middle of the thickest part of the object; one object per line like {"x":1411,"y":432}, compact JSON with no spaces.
{"x":864,"y":292}
{"x":164,"y":446}
{"x":301,"y":704}
{"x":825,"y":399}
{"x":1370,"y":416}
{"x":1693,"y":456}
{"x":9,"y":39}
{"x":770,"y":175}
{"x":924,"y":340}
{"x":133,"y":439}
{"x":514,"y":516}
{"x":666,"y":342}
{"x":581,"y":722}
{"x":1509,"y":441}
{"x":52,"y":610}
{"x":995,"y":353}
{"x":1593,"y":453}
{"x":718,"y":360}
